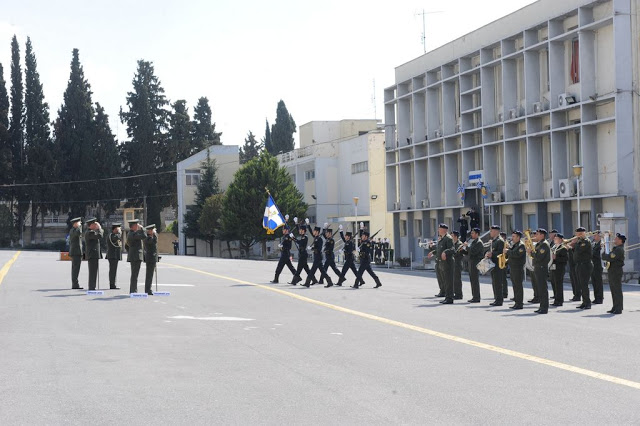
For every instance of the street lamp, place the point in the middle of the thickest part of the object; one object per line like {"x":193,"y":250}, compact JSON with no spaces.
{"x":355,"y":201}
{"x":577,"y":172}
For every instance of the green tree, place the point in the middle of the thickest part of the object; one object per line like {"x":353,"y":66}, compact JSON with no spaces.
{"x":40,"y":159}
{"x":266,"y":140}
{"x":251,"y":148}
{"x":8,"y":232}
{"x":204,"y":129}
{"x":16,"y":130}
{"x":282,"y":131}
{"x":208,"y":186}
{"x":180,"y":144}
{"x":246,"y":198}
{"x":105,"y":151}
{"x":5,"y":140}
{"x":209,"y":221}
{"x":146,"y":151}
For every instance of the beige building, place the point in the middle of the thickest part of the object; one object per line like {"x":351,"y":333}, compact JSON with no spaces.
{"x":337,"y":161}
{"x":227,"y":158}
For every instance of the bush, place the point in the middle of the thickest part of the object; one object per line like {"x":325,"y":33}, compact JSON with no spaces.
{"x":58,"y":245}
{"x":404,"y":261}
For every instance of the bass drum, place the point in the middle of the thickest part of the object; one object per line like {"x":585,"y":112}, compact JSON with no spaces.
{"x":485,"y":266}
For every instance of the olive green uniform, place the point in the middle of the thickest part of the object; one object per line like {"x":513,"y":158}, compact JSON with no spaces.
{"x":596,"y":274}
{"x":582,"y":254}
{"x":517,"y":256}
{"x":497,"y":248}
{"x":150,"y":260}
{"x":457,"y":270}
{"x":541,"y":257}
{"x":135,"y":256}
{"x":445,"y":267}
{"x":559,"y":269}
{"x":475,"y":249}
{"x":75,"y":252}
{"x":114,"y":255}
{"x":616,"y":262}
{"x":94,"y":254}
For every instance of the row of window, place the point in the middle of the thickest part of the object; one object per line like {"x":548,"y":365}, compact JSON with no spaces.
{"x":360,"y":167}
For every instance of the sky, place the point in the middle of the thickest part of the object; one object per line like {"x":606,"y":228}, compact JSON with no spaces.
{"x":321,"y":58}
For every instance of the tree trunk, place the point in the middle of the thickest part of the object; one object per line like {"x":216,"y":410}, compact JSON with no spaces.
{"x":42,"y":224}
{"x":229,"y":248}
{"x":211,"y":247}
{"x":264,"y":250}
{"x":34,"y":222}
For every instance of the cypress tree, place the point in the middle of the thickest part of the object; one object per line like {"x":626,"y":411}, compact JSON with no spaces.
{"x":266,"y":140}
{"x":251,"y":148}
{"x":204,"y":129}
{"x":16,"y":130}
{"x":180,"y":133}
{"x":105,"y":151}
{"x":208,"y":186}
{"x":5,"y":141}
{"x":282,"y":131}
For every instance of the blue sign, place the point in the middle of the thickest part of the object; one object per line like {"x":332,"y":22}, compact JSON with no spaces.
{"x":95,"y":293}
{"x":162,"y":293}
{"x":138,"y":295}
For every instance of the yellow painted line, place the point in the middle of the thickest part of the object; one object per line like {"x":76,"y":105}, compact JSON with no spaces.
{"x":7,"y":265}
{"x":450,"y":337}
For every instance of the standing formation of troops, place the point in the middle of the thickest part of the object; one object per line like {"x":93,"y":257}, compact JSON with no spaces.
{"x":142,"y":246}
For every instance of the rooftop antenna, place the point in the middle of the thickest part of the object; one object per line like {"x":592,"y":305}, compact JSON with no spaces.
{"x":373,"y":100}
{"x":424,"y":27}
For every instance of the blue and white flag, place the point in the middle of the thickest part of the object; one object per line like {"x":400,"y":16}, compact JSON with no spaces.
{"x":272,"y":219}
{"x":461,"y":190}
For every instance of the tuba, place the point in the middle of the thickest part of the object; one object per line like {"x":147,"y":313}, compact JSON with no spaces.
{"x":607,"y":248}
{"x":528,"y":243}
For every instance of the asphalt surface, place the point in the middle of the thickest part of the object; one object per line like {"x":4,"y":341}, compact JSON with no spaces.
{"x":221,"y":350}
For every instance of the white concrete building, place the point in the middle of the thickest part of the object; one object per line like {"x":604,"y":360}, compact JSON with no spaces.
{"x":337,"y":161}
{"x":516,"y":104}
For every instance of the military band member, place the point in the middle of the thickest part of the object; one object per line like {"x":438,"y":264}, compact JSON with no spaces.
{"x":541,"y":256}
{"x":114,"y":253}
{"x":596,"y":275}
{"x":316,"y":246}
{"x":517,"y":257}
{"x":349,"y":261}
{"x":366,"y":254}
{"x":433,"y":249}
{"x":505,"y":284}
{"x":582,"y":253}
{"x":457,"y":265}
{"x":92,"y":236}
{"x":75,"y":251}
{"x":301,"y":244}
{"x":150,"y":257}
{"x":329,"y":256}
{"x":558,"y":268}
{"x":445,"y":252}
{"x":616,"y":262}
{"x":135,"y":254}
{"x":475,"y":249}
{"x":497,"y":248}
{"x":575,"y":287}
{"x":285,"y":254}
{"x":532,"y":275}
{"x":552,"y":243}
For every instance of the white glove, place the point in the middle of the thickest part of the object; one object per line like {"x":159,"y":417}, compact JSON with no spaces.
{"x":309,"y":248}
{"x":340,"y":227}
{"x":326,"y":225}
{"x":286,"y":217}
{"x":341,"y":251}
{"x":306,"y":221}
{"x":280,"y":245}
{"x":295,"y":220}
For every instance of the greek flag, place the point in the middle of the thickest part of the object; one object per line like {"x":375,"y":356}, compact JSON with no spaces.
{"x":461,"y":191}
{"x":272,"y":219}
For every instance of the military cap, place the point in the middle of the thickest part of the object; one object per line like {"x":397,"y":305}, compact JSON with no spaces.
{"x":476,"y":230}
{"x":554,"y":231}
{"x":329,"y":230}
{"x":134,"y":222}
{"x":559,"y":235}
{"x":622,"y":237}
{"x":542,"y":231}
{"x":581,"y":229}
{"x":518,"y":233}
{"x":116,"y":225}
{"x":596,"y":232}
{"x":456,"y":233}
{"x":149,"y":227}
{"x":496,"y":227}
{"x":366,"y":233}
{"x":443,"y":226}
{"x":348,"y":234}
{"x":503,"y":234}
{"x":90,"y":221}
{"x":76,"y":219}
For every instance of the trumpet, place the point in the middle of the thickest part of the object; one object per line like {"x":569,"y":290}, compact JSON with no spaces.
{"x":567,"y":241}
{"x":426,"y":243}
{"x":462,"y":247}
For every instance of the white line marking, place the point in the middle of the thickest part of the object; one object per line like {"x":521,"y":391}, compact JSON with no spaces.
{"x":337,"y":334}
{"x":211,"y":318}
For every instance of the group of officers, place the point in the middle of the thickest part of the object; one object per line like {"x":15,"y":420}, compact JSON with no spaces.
{"x":547,"y":257}
{"x":141,"y":245}
{"x":324,"y":243}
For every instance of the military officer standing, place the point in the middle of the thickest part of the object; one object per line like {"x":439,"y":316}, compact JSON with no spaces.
{"x":366,"y":255}
{"x":92,"y":236}
{"x":616,"y":262}
{"x":517,"y":257}
{"x":541,"y":256}
{"x":552,"y":243}
{"x":475,"y":250}
{"x":135,"y":253}
{"x":433,"y":249}
{"x":445,"y":252}
{"x":560,"y":257}
{"x":575,"y":287}
{"x":505,"y":284}
{"x":285,"y":254}
{"x":596,"y":275}
{"x":582,"y":254}
{"x":457,"y":265}
{"x":114,"y":253}
{"x":497,"y":248}
{"x":150,"y":257}
{"x":75,"y":251}
{"x":532,"y":275}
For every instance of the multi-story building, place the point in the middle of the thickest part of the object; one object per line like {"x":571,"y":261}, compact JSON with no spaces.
{"x":337,"y":161}
{"x":515,"y":105}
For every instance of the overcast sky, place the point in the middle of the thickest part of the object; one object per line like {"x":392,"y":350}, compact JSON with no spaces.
{"x":321,"y":58}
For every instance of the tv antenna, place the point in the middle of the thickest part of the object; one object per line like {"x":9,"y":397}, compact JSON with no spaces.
{"x":373,"y":100}
{"x":424,"y":27}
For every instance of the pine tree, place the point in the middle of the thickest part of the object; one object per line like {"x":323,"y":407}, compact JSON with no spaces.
{"x":282,"y":131}
{"x":74,"y":130}
{"x":204,"y":130}
{"x":251,"y":148}
{"x":146,"y":152}
{"x":16,"y":130}
{"x":180,"y":144}
{"x":5,"y":141}
{"x":266,"y":140}
{"x":105,"y":150}
{"x":40,"y":162}
{"x":209,"y":185}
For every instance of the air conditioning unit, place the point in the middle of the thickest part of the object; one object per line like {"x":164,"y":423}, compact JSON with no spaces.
{"x":566,"y":99}
{"x":567,"y":188}
{"x":496,"y":197}
{"x":513,"y":114}
{"x":438,"y":134}
{"x":537,"y":107}
{"x":425,"y":204}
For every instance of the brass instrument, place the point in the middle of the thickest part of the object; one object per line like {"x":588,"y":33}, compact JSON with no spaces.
{"x":528,"y":243}
{"x":607,"y":249}
{"x":462,"y":247}
{"x":566,"y":242}
{"x":426,"y":243}
{"x":502,"y":258}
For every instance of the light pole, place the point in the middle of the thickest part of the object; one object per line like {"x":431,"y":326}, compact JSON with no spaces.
{"x":577,"y":171}
{"x":355,"y":201}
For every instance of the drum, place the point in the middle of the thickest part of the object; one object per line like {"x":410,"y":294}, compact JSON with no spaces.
{"x":485,"y":266}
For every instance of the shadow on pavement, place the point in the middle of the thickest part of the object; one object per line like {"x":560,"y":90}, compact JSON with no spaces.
{"x":47,"y":290}
{"x":67,"y":295}
{"x":109,"y":299}
{"x":600,"y":316}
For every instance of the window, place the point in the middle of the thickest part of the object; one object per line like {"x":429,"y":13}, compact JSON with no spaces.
{"x":575,"y":62}
{"x":556,"y":221}
{"x":544,"y":74}
{"x":360,"y":167}
{"x":532,"y":223}
{"x":293,"y":177}
{"x":193,"y":177}
{"x":417,"y":228}
{"x":403,"y":228}
{"x":585,"y":219}
{"x":507,"y":224}
{"x":310,"y":175}
{"x":574,"y":149}
{"x":546,"y":158}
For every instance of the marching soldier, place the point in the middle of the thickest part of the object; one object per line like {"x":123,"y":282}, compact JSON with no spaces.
{"x":505,"y":284}
{"x":497,"y":248}
{"x":560,"y":259}
{"x":135,"y":254}
{"x":596,"y":275}
{"x":317,"y":259}
{"x":150,"y":257}
{"x":517,"y":256}
{"x":285,"y":254}
{"x":457,"y":265}
{"x":114,"y":253}
{"x":582,"y":253}
{"x":94,"y":251}
{"x":444,"y":251}
{"x":541,"y":256}
{"x":75,"y":251}
{"x":475,"y":249}
{"x":301,"y":243}
{"x":349,"y":249}
{"x":329,"y":256}
{"x":616,"y":262}
{"x":366,"y":254}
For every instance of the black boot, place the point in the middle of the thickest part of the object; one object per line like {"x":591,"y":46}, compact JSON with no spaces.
{"x":296,"y":279}
{"x":329,"y":283}
{"x":378,"y":283}
{"x":340,"y":281}
{"x":275,"y":280}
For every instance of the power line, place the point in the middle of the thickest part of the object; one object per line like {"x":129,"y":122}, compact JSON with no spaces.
{"x":95,"y":201}
{"x":15,"y":185}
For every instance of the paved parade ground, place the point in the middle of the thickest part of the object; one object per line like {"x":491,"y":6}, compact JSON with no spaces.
{"x":227,"y":348}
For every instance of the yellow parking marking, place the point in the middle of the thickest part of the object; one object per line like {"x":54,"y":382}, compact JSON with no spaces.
{"x":5,"y":268}
{"x":450,"y":337}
